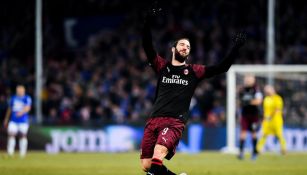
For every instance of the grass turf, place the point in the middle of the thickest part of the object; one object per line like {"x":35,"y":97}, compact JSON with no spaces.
{"x":206,"y":163}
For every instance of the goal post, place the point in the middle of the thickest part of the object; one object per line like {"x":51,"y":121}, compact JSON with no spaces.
{"x":264,"y":71}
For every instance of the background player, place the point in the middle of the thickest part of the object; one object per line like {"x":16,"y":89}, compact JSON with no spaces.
{"x":16,"y":120}
{"x":272,"y":118}
{"x":176,"y":84}
{"x":250,"y":99}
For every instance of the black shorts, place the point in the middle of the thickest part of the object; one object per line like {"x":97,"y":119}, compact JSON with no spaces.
{"x":249,"y":123}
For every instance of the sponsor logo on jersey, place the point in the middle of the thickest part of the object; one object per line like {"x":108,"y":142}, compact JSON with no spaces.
{"x":175,"y":79}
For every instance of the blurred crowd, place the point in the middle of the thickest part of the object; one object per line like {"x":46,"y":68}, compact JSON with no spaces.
{"x":108,"y":80}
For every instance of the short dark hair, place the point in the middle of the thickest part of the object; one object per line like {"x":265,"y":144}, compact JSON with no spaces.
{"x":176,"y":42}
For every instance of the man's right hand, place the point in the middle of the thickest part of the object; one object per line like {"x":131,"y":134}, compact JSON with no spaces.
{"x":154,"y":11}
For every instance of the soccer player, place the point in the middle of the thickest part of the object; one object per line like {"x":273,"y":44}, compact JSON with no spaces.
{"x":177,"y":81}
{"x":251,"y":100}
{"x":272,"y":123}
{"x":16,"y":120}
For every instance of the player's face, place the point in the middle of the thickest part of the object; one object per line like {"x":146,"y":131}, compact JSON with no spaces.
{"x":182,"y":50}
{"x":183,"y":47}
{"x":20,"y":90}
{"x":269,"y":90}
{"x":249,"y":80}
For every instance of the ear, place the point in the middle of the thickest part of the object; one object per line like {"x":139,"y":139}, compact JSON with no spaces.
{"x":173,"y":49}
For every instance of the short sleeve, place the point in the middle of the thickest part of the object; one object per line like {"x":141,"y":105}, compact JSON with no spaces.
{"x":28,"y":101}
{"x":258,"y":95}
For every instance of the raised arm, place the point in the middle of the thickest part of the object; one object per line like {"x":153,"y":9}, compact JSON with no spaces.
{"x":147,"y":40}
{"x":153,"y":11}
{"x":155,"y":61}
{"x":225,"y":64}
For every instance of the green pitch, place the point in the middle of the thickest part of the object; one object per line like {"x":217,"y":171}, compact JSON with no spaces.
{"x":208,"y":163}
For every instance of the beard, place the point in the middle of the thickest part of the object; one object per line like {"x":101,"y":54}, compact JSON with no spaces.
{"x":179,"y":57}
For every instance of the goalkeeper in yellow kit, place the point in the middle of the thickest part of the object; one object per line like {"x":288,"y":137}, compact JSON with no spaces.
{"x":272,"y":123}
